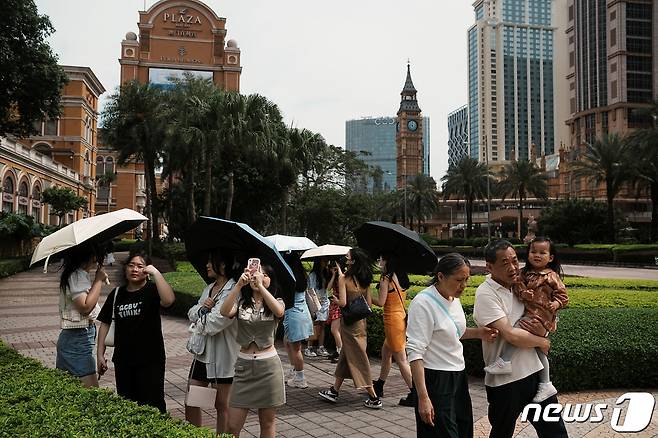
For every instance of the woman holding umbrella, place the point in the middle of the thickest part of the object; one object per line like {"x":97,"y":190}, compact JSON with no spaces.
{"x":258,"y":381}
{"x":78,"y":308}
{"x":392,"y":294}
{"x":139,"y":353}
{"x":353,"y":362}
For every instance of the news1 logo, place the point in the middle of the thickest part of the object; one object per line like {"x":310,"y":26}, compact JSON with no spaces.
{"x":638,"y":412}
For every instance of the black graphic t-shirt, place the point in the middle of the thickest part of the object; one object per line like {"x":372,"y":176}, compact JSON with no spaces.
{"x":138,"y":330}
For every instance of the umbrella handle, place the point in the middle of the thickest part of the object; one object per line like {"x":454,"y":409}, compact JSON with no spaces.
{"x":45,"y":266}
{"x":107,"y":281}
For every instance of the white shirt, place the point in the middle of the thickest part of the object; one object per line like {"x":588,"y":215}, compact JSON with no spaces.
{"x":493,"y":302}
{"x":221,"y":350}
{"x":432,"y":335}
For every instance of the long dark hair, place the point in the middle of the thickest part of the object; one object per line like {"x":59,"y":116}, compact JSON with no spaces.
{"x":136,"y":253}
{"x":361,"y":268}
{"x":322,"y":275}
{"x":248,"y":293}
{"x":448,"y":265}
{"x":555,"y":265}
{"x":295,"y":263}
{"x":393,"y":267}
{"x":217,"y":257}
{"x":77,"y":257}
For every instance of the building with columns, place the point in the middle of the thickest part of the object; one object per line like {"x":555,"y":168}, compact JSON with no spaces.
{"x":61,"y":155}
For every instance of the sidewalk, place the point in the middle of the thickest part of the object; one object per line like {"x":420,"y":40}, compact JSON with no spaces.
{"x":29,"y":322}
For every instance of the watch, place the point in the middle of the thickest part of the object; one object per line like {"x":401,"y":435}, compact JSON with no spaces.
{"x":412,"y":125}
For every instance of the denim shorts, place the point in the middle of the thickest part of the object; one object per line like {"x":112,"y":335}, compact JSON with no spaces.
{"x":75,"y":351}
{"x":297,"y":322}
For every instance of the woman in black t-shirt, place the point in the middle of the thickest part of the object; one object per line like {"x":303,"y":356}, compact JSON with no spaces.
{"x":139,"y":354}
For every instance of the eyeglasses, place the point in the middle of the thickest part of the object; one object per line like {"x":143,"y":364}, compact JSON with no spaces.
{"x":135,"y":265}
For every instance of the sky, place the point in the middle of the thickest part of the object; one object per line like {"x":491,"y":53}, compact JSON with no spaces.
{"x":322,"y":63}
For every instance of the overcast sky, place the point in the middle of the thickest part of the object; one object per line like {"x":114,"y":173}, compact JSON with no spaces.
{"x":322,"y":62}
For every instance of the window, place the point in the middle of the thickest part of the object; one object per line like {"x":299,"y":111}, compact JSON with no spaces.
{"x":36,"y":197}
{"x":22,"y":200}
{"x":43,"y":149}
{"x":8,"y":194}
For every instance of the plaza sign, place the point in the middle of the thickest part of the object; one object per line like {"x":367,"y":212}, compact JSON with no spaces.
{"x":181,"y":17}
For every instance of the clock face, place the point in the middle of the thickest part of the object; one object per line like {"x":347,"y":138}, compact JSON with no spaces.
{"x":412,"y":125}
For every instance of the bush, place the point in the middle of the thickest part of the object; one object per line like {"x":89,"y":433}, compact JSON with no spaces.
{"x":13,"y":266}
{"x":574,"y":221}
{"x":36,"y":401}
{"x":18,"y":226}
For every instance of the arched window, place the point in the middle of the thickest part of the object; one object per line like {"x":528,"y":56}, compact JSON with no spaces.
{"x":109,"y":164}
{"x":22,"y":197}
{"x":103,"y":192}
{"x":88,"y":129}
{"x":85,"y":168}
{"x":44,"y":149}
{"x":8,"y":194}
{"x":36,"y":202}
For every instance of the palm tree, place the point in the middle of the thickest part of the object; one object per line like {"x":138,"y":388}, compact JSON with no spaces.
{"x":134,"y":125}
{"x":606,"y":161}
{"x":520,"y":179}
{"x":644,"y":143}
{"x":467,"y":180}
{"x":106,"y":180}
{"x":422,"y":197}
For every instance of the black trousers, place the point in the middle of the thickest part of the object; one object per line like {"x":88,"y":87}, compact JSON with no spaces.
{"x":506,"y":403}
{"x":453,"y":411}
{"x":142,"y":383}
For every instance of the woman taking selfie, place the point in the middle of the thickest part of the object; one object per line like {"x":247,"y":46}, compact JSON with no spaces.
{"x":139,"y":353}
{"x":258,"y":381}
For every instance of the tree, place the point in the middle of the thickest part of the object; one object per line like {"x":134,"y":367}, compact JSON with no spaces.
{"x":422,"y":198}
{"x":520,"y":179}
{"x":62,"y":200}
{"x":606,"y":161}
{"x":134,"y":123}
{"x":574,"y":221}
{"x":31,"y":82}
{"x":106,"y":181}
{"x":467,"y":180}
{"x":644,"y":143}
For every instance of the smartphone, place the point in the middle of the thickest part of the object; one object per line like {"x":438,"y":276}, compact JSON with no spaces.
{"x":253,"y":264}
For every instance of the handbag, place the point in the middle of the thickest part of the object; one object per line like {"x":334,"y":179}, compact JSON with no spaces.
{"x":109,"y":337}
{"x":356,"y":310}
{"x":312,"y":301}
{"x":197,"y":342}
{"x":200,"y":396}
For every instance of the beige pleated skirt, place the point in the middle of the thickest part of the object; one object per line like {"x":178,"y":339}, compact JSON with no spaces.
{"x":258,"y":383}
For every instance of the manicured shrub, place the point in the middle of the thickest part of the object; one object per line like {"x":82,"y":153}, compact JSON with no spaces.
{"x":36,"y":401}
{"x":13,"y":266}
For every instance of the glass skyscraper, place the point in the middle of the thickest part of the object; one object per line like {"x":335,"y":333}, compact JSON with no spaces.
{"x":374,"y":139}
{"x":511,"y":80}
{"x":457,"y":135}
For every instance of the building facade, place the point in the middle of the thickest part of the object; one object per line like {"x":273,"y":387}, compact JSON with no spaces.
{"x":409,"y":135}
{"x":511,"y":77}
{"x":373,"y":138}
{"x":175,"y":37}
{"x":61,"y":155}
{"x":457,"y":135}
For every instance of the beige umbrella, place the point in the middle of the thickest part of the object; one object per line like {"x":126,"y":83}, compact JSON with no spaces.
{"x":95,"y":229}
{"x":326,"y":251}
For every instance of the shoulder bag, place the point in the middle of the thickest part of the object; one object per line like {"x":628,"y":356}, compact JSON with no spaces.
{"x":109,"y":337}
{"x":312,"y":301}
{"x":200,"y":396}
{"x":356,"y":310}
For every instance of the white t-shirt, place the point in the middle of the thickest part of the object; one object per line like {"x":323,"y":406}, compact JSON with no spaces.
{"x":493,"y":302}
{"x":432,"y":336}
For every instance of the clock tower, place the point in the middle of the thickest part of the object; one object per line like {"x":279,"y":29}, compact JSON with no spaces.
{"x":409,"y":135}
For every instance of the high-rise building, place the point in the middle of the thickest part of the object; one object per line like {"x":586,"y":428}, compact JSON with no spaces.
{"x":613,"y":66}
{"x":457,"y":135}
{"x":373,"y":138}
{"x":511,"y":79}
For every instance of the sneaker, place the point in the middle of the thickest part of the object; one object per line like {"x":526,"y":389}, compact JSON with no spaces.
{"x":378,"y":387}
{"x":308,"y":352}
{"x":297,"y":383}
{"x":329,"y":394}
{"x":322,"y":351}
{"x":373,"y":404}
{"x":544,"y":391}
{"x":499,"y":366}
{"x":334,"y":357}
{"x":410,"y":400}
{"x":290,"y":374}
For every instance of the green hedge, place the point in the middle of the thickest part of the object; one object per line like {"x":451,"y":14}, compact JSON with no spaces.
{"x":13,"y":266}
{"x":40,"y":402}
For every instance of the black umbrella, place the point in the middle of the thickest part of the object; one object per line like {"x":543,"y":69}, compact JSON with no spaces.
{"x":414,"y":254}
{"x":209,"y":233}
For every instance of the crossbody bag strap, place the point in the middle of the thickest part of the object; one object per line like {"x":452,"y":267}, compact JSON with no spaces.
{"x":114,"y":301}
{"x":445,"y":310}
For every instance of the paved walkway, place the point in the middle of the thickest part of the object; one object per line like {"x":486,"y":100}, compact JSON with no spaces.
{"x":29,"y":323}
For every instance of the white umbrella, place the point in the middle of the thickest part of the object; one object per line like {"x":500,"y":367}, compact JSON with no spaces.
{"x":95,"y":229}
{"x":326,"y":251}
{"x":291,"y":243}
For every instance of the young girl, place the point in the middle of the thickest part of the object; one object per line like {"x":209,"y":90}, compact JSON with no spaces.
{"x":258,"y":381}
{"x":541,"y":290}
